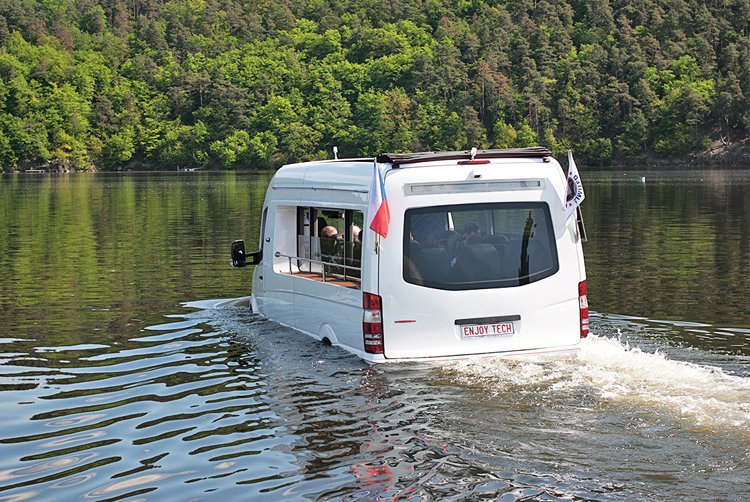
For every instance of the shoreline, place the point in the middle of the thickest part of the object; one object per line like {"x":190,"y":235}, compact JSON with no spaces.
{"x":733,"y":157}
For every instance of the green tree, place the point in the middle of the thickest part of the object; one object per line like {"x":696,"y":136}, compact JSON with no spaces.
{"x":505,"y":134}
{"x":526,"y":136}
{"x":383,"y":122}
{"x":436,"y":127}
{"x":230,"y":84}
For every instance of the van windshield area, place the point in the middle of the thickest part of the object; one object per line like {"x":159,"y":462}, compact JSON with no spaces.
{"x":479,"y":246}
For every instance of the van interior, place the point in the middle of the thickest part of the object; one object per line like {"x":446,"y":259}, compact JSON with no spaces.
{"x":329,"y":248}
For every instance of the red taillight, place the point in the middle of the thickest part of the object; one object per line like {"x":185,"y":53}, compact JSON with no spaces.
{"x":583,"y":305}
{"x":372,"y":323}
{"x":473,"y":162}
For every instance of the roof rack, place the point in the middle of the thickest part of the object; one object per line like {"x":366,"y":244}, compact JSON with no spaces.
{"x":398,"y":159}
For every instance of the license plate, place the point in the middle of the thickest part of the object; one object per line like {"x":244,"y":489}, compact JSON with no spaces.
{"x":497,"y":329}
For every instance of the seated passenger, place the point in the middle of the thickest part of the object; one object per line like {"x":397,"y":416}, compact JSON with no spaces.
{"x":328,"y":232}
{"x":470,"y":234}
{"x":353,"y":258}
{"x":328,"y":237}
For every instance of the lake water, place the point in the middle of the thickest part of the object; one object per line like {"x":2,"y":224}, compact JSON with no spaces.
{"x":112,"y":388}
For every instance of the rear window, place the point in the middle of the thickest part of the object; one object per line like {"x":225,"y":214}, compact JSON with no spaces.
{"x":479,"y":245}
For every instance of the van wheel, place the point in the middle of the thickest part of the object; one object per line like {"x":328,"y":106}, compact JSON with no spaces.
{"x":326,"y":341}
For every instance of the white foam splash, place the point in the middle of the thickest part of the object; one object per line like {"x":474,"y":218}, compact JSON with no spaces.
{"x":221,"y":303}
{"x":617,"y":373}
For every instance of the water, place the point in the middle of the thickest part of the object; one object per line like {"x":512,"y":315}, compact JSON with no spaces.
{"x":112,"y":387}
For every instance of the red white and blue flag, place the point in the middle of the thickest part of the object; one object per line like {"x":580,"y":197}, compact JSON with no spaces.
{"x":378,"y":212}
{"x":575,"y":188}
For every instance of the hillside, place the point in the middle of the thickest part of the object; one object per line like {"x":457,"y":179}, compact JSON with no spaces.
{"x":168,"y":84}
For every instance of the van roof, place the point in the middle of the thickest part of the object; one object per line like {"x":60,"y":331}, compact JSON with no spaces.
{"x":398,"y":159}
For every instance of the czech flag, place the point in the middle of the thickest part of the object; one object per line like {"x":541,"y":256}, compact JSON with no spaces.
{"x":378,"y":212}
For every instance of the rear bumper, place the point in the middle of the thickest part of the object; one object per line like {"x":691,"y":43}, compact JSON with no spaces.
{"x":552,"y":351}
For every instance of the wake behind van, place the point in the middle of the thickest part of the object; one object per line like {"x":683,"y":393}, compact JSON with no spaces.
{"x":479,"y":258}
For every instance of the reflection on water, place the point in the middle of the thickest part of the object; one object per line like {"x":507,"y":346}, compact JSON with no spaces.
{"x":107,"y":399}
{"x":676,"y":246}
{"x":88,"y":257}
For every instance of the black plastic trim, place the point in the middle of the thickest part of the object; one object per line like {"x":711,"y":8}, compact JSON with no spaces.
{"x":508,"y":153}
{"x":487,"y":320}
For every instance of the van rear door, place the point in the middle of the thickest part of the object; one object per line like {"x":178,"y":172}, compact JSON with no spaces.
{"x":480,"y":279}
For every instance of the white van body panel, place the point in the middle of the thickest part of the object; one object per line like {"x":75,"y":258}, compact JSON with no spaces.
{"x":419,"y":322}
{"x":321,"y":310}
{"x":424,"y":325}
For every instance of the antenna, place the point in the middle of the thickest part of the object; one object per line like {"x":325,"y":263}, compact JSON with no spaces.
{"x":473,"y":152}
{"x":335,"y":153}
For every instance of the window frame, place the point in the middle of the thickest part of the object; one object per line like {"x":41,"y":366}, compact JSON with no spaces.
{"x":307,"y":250}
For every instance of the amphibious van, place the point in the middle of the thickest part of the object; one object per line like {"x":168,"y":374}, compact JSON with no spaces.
{"x":479,"y":258}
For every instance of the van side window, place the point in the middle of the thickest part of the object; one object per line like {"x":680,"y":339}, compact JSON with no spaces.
{"x":328,"y":246}
{"x":477,"y":246}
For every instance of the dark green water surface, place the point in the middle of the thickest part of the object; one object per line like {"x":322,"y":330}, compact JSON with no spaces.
{"x":111,"y":388}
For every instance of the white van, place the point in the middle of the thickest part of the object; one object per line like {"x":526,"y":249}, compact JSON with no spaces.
{"x":479,"y":258}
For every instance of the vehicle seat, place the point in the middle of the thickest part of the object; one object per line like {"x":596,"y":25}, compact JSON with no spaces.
{"x":454,"y":243}
{"x":434,"y":264}
{"x":479,"y":262}
{"x":411,"y":262}
{"x":353,"y":257}
{"x":332,"y":251}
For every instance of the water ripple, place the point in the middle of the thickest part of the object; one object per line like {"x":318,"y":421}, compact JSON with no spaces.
{"x":226,"y":403}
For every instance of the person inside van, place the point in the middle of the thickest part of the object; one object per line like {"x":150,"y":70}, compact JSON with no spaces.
{"x":354,"y":251}
{"x":329,"y":245}
{"x":328,"y":232}
{"x":470,"y":233}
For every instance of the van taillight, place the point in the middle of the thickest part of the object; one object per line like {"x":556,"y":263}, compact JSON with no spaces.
{"x":473,"y":162}
{"x":372,"y":323}
{"x":583,"y":305}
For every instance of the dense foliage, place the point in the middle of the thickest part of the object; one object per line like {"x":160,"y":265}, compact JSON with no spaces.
{"x":239,"y":83}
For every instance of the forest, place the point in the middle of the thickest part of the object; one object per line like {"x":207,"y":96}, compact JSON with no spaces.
{"x":253,"y":84}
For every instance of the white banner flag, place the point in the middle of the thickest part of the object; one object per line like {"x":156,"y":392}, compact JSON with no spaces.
{"x":575,"y":188}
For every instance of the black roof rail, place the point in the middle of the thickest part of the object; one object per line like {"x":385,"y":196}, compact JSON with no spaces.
{"x":506,"y":153}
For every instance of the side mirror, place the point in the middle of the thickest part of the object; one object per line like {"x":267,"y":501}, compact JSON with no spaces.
{"x":238,"y":254}
{"x":255,"y":258}
{"x":240,"y":258}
